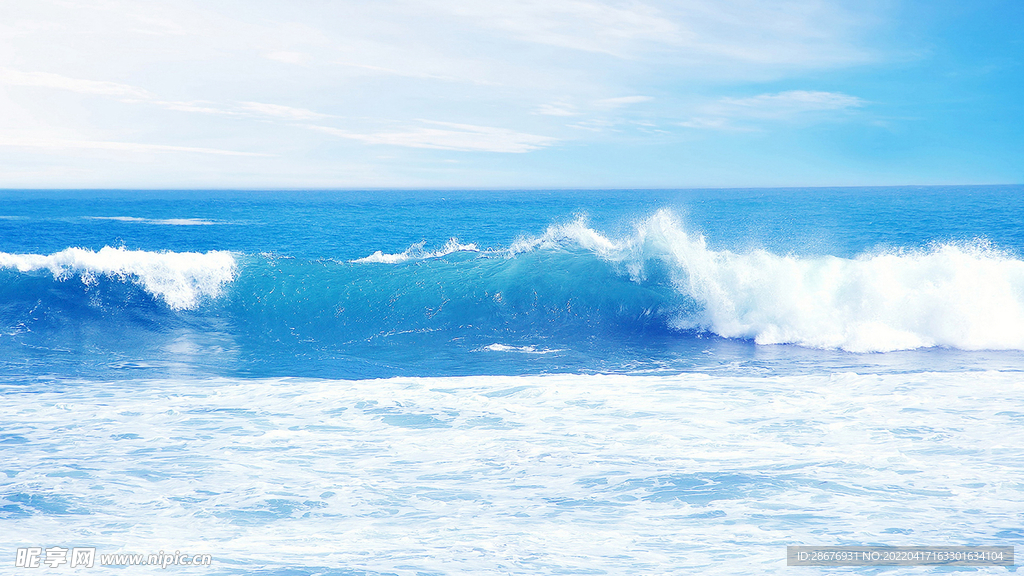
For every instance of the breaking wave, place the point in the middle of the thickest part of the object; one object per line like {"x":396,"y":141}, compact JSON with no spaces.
{"x":959,"y":295}
{"x":179,"y":279}
{"x":573,"y":281}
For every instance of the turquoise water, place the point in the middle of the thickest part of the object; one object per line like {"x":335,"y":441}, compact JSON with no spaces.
{"x":537,"y":382}
{"x":433,"y":283}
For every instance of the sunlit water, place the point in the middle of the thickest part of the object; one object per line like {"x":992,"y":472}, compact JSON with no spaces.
{"x":490,"y":383}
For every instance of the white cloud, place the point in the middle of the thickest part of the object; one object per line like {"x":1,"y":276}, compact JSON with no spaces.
{"x":136,"y":95}
{"x":288,"y":57}
{"x":218,"y":78}
{"x":719,"y":36}
{"x":790,"y":102}
{"x":557,"y":109}
{"x":243,"y":109}
{"x":595,"y":125}
{"x":48,"y":80}
{"x":622,"y":101}
{"x":133,"y":94}
{"x":60,"y":144}
{"x":461,"y":137}
{"x":197,"y":107}
{"x":713,"y":123}
{"x":724,"y":113}
{"x":588,"y":26}
{"x":279,"y":111}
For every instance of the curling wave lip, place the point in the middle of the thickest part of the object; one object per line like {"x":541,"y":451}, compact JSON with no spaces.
{"x":180,"y":279}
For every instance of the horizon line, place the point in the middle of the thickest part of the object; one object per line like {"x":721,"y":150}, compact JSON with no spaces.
{"x":495,"y":189}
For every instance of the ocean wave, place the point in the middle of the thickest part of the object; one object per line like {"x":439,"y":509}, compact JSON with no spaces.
{"x":959,"y":295}
{"x":180,"y":279}
{"x":573,"y":283}
{"x":159,"y":221}
{"x":417,"y":252}
{"x":496,"y":347}
{"x":572,"y":234}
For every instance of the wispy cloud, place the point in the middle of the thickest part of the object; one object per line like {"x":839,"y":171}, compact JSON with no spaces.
{"x":60,"y":143}
{"x":288,"y":57}
{"x":557,"y":109}
{"x":732,"y":113}
{"x":461,"y":137}
{"x":622,"y":101}
{"x":575,"y":24}
{"x":242,"y":109}
{"x":595,"y":125}
{"x":789,"y":103}
{"x":136,"y":95}
{"x":722,"y":33}
{"x":56,"y":81}
{"x":513,"y":76}
{"x":279,"y":111}
{"x":196,"y":107}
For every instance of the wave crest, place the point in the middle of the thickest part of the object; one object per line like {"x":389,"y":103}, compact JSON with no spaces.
{"x":573,"y":281}
{"x":967,"y":295}
{"x":416,"y":252}
{"x":180,"y":279}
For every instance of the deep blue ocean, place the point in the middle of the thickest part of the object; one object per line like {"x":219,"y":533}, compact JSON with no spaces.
{"x":435,"y":283}
{"x":510,"y":382}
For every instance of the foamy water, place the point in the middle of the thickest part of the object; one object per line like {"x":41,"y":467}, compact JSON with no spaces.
{"x":498,"y":475}
{"x":178,"y":279}
{"x":966,"y":295}
{"x":415,"y":382}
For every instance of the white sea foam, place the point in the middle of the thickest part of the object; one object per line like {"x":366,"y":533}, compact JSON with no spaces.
{"x":496,"y":347}
{"x":575,"y":232}
{"x":416,"y":252}
{"x":160,"y":221}
{"x":968,"y":296}
{"x":181,"y":279}
{"x":489,"y":475}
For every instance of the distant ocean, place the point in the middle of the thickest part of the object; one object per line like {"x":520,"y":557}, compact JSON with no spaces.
{"x":510,"y":382}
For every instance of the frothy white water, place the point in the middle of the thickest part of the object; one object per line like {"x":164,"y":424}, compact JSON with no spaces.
{"x":560,"y":474}
{"x":181,"y":279}
{"x":496,"y":347}
{"x":573,"y":233}
{"x":966,"y":296}
{"x":162,"y":221}
{"x":416,"y":252}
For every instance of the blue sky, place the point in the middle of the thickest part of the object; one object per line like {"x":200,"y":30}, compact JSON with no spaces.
{"x":510,"y":93}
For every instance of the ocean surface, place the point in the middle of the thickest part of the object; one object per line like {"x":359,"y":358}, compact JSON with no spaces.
{"x":510,"y":382}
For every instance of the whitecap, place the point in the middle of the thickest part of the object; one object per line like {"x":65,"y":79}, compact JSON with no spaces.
{"x":180,"y":279}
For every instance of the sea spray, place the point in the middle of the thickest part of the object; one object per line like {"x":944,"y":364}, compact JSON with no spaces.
{"x":180,"y":279}
{"x":572,"y":284}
